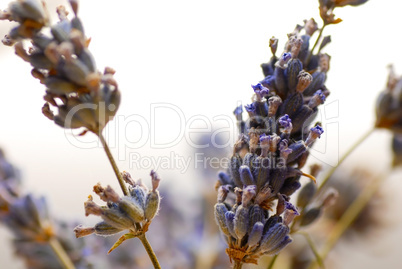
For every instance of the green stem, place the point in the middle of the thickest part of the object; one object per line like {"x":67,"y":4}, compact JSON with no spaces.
{"x":313,"y":248}
{"x":316,"y":43}
{"x":345,"y":155}
{"x":271,"y":264}
{"x":237,"y":265}
{"x":150,"y":251}
{"x":113,"y":163}
{"x":61,"y":254}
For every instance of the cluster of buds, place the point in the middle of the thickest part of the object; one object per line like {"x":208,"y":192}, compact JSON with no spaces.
{"x":81,"y":95}
{"x":389,"y":113}
{"x":253,"y":209}
{"x":133,"y":212}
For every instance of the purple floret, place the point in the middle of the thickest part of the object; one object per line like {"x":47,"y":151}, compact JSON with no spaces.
{"x":320,"y":94}
{"x":318,"y":130}
{"x":250,"y":108}
{"x":285,"y":121}
{"x":260,"y":89}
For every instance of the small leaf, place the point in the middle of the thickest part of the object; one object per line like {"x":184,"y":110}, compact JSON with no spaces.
{"x":121,"y":240}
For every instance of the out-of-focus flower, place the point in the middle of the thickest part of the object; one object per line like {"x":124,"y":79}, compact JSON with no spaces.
{"x":28,"y":220}
{"x":389,"y":104}
{"x":397,"y":150}
{"x":133,"y":212}
{"x":82,"y":96}
{"x":327,"y":7}
{"x":350,"y":185}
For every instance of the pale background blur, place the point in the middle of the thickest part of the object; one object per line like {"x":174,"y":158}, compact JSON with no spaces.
{"x":201,"y":57}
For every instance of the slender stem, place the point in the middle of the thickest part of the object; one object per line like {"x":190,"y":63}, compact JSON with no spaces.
{"x":113,"y":163}
{"x":347,"y":153}
{"x":316,"y":43}
{"x":61,"y":254}
{"x":150,"y":251}
{"x":351,"y":213}
{"x":271,"y":264}
{"x":313,"y":248}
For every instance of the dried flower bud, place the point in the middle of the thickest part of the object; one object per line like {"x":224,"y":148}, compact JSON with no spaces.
{"x":132,"y":208}
{"x":127,"y":178}
{"x":105,"y":229}
{"x":255,"y":234}
{"x":306,"y":194}
{"x":91,"y":208}
{"x":241,"y":221}
{"x":246,"y":176}
{"x":274,"y":102}
{"x":280,"y":207}
{"x":397,"y":150}
{"x":28,"y":10}
{"x":248,"y":194}
{"x":310,"y":26}
{"x":152,"y":205}
{"x":116,"y":218}
{"x":296,"y":45}
{"x":317,"y":99}
{"x":273,"y":44}
{"x":234,"y":168}
{"x":290,"y":213}
{"x":81,"y":231}
{"x":224,"y":178}
{"x":330,"y":197}
{"x":229,"y":216}
{"x":316,"y":84}
{"x":283,"y":60}
{"x":274,"y":237}
{"x":297,"y":148}
{"x":220,"y":210}
{"x":310,"y":215}
{"x":295,"y":66}
{"x":324,"y":62}
{"x":223,"y":192}
{"x":304,"y":80}
{"x":155,"y":180}
{"x":107,"y":195}
{"x":325,"y":41}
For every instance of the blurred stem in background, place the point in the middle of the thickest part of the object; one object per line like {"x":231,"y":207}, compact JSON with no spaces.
{"x":350,"y":215}
{"x":61,"y":254}
{"x":344,"y":156}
